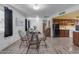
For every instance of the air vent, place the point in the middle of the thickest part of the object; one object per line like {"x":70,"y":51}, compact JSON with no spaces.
{"x":62,"y":13}
{"x":46,"y":16}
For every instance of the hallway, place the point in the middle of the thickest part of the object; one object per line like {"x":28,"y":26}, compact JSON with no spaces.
{"x":54,"y":46}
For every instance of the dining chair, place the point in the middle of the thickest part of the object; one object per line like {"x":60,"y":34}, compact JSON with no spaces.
{"x":23,"y":38}
{"x":43,"y":39}
{"x":33,"y":42}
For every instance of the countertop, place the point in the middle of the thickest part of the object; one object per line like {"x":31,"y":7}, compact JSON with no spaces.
{"x":65,"y":29}
{"x":75,"y":31}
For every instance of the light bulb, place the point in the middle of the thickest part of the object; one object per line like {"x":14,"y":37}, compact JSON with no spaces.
{"x":36,"y":7}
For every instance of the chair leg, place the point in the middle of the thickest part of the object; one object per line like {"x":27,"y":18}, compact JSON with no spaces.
{"x":38,"y":50}
{"x":20,"y":44}
{"x":26,"y":44}
{"x":28,"y":49}
{"x":38,"y":45}
{"x":45,"y":44}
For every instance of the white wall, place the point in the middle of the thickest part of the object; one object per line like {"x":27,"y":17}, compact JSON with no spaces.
{"x":6,"y":41}
{"x":1,"y":19}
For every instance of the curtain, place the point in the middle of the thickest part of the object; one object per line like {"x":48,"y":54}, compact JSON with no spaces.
{"x":25,"y":24}
{"x":8,"y":22}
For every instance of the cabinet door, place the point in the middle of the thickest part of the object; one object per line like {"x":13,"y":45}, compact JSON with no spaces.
{"x":66,"y":33}
{"x":76,"y":38}
{"x":62,"y":33}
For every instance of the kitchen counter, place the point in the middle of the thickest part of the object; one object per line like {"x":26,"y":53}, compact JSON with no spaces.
{"x":76,"y":38}
{"x":75,"y":30}
{"x":64,"y":33}
{"x":64,"y":29}
{"x":70,"y":28}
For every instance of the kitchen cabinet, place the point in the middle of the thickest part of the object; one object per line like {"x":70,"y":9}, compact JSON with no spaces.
{"x":64,"y":22}
{"x":76,"y":38}
{"x":64,"y":33}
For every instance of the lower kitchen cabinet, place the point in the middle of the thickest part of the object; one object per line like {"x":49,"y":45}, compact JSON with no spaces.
{"x":76,"y":38}
{"x":64,"y":33}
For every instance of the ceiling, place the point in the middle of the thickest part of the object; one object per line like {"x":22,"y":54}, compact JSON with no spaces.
{"x":72,"y":15}
{"x":47,"y":11}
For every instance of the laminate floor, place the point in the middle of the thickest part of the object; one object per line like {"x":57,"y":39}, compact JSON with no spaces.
{"x":54,"y":46}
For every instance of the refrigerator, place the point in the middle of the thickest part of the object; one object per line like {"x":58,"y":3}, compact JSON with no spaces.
{"x":56,"y":30}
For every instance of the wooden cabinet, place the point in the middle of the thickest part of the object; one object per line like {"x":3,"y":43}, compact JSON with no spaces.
{"x":64,"y":33}
{"x":64,"y":22}
{"x":76,"y":38}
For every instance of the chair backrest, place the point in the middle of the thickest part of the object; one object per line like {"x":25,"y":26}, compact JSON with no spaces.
{"x":28,"y":34}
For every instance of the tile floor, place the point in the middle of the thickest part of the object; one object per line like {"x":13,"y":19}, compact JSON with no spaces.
{"x":54,"y":46}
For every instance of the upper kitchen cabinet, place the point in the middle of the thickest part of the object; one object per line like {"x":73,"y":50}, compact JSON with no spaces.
{"x":64,"y":22}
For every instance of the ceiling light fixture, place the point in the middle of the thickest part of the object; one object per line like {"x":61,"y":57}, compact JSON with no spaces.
{"x":36,"y":6}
